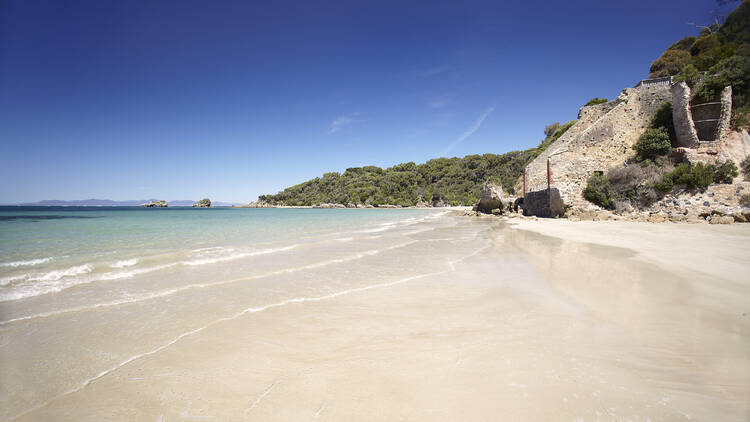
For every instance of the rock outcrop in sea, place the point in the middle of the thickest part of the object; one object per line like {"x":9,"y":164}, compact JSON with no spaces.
{"x":203,"y":203}
{"x":155,"y":204}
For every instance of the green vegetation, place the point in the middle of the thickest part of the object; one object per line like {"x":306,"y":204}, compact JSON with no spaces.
{"x":741,"y":117}
{"x":745,"y":165}
{"x":599,"y":192}
{"x":645,"y":182}
{"x":663,"y":118}
{"x":453,"y":181}
{"x":697,"y":176}
{"x":595,"y":101}
{"x":725,"y":172}
{"x":717,"y":57}
{"x":653,"y":143}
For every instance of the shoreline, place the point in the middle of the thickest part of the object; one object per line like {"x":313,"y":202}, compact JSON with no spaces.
{"x":448,"y":318}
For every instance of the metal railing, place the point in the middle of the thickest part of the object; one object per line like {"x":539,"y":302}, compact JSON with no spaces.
{"x":667,"y":80}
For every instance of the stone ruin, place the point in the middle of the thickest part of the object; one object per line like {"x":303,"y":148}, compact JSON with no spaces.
{"x":604,"y":134}
{"x":698,"y":123}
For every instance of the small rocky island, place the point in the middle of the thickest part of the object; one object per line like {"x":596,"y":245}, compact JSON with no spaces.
{"x":155,"y":204}
{"x":203,"y":203}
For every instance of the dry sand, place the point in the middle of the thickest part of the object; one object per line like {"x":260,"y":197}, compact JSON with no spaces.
{"x":541,"y":320}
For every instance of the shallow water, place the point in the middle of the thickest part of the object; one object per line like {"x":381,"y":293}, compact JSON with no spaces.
{"x":50,"y":249}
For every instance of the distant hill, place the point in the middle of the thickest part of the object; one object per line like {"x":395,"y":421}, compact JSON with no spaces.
{"x":442,"y":181}
{"x":111,"y":203}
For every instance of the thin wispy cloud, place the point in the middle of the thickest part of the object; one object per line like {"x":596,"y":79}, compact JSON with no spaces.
{"x":469,"y":132}
{"x":433,"y":71}
{"x":345,"y":120}
{"x":440,"y":102}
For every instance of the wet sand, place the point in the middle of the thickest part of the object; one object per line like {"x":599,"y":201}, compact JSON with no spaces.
{"x":460,"y":319}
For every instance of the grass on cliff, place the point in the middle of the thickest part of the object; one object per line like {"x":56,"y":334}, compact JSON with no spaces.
{"x":442,"y":181}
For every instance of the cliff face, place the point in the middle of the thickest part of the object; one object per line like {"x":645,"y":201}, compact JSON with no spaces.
{"x":601,"y":139}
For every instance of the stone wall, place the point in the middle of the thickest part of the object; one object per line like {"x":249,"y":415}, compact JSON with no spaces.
{"x":543,"y":203}
{"x":684,"y":127}
{"x":601,"y":139}
{"x":725,"y":118}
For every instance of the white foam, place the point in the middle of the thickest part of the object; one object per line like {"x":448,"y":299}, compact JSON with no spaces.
{"x":231,"y":257}
{"x":116,"y":275}
{"x":379,"y":229}
{"x":169,"y":292}
{"x":125,"y":263}
{"x":58,"y":274}
{"x":9,"y":280}
{"x":27,"y":263}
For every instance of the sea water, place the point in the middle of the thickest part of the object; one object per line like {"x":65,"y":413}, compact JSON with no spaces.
{"x":85,"y":292}
{"x":48,"y":249}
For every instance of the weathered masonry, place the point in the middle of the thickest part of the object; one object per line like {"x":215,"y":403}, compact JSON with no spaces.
{"x":700,"y":123}
{"x":602,"y":138}
{"x":604,"y":134}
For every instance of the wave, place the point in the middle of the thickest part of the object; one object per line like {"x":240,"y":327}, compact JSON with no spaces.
{"x":58,"y":274}
{"x":27,"y":263}
{"x":379,"y":229}
{"x":125,"y":263}
{"x":5,"y":281}
{"x":203,"y":261}
{"x":169,"y":292}
{"x":127,"y":274}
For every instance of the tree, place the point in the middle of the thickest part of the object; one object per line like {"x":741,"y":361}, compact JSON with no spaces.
{"x":670,"y":63}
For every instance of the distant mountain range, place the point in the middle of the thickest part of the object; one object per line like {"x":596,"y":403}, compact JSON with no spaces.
{"x":111,"y":203}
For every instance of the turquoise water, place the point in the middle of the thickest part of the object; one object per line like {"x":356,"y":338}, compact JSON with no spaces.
{"x":49,"y":249}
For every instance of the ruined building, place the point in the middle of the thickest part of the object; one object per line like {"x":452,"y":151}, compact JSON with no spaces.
{"x":603,"y":137}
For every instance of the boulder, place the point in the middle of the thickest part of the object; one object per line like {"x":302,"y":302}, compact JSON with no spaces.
{"x":492,"y":198}
{"x":203,"y":203}
{"x":721,"y":219}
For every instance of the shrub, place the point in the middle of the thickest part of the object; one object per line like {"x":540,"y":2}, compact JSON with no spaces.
{"x":595,"y":101}
{"x":689,"y":74}
{"x":598,"y":191}
{"x":550,"y":129}
{"x":733,"y":71}
{"x":663,"y":118}
{"x":745,"y":165}
{"x":698,"y":176}
{"x":725,"y":172}
{"x":654,"y":142}
{"x":741,"y":117}
{"x":745,"y":200}
{"x":666,"y":184}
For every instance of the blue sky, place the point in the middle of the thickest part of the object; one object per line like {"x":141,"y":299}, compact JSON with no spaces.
{"x":232,"y":99}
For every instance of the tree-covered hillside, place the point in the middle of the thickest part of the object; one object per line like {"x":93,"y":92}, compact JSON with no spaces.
{"x":717,"y":57}
{"x":451,"y":181}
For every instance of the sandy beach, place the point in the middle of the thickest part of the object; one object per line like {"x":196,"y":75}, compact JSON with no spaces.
{"x":455,"y":319}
